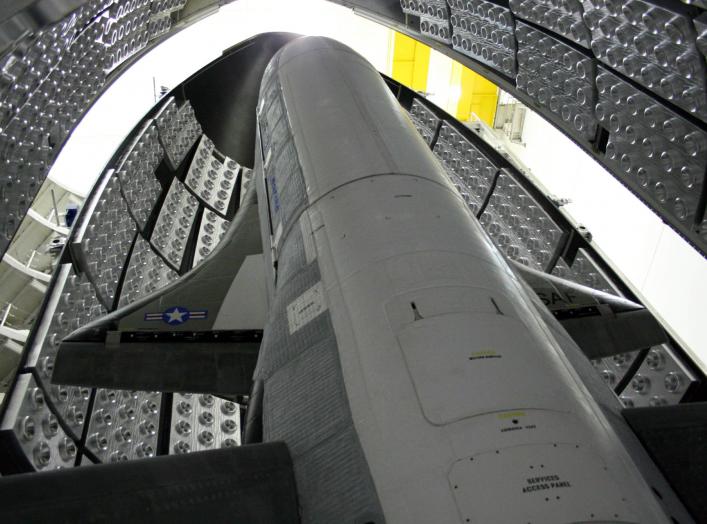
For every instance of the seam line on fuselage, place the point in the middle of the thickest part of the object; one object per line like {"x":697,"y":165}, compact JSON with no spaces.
{"x":296,"y":217}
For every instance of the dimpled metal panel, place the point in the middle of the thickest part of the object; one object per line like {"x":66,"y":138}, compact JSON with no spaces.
{"x":136,"y":173}
{"x":211,"y":232}
{"x":174,"y":224}
{"x":654,"y":46}
{"x":562,"y":17}
{"x":661,"y":380}
{"x":425,"y":121}
{"x":434,"y":18}
{"x":178,"y":130}
{"x":203,"y":422}
{"x":124,"y":425}
{"x":50,"y":77}
{"x":36,"y":429}
{"x":470,"y":171}
{"x":559,"y":78}
{"x":654,"y":151}
{"x":484,"y":31}
{"x":212,"y":176}
{"x":107,"y":240}
{"x":519,"y":226}
{"x":146,"y":273}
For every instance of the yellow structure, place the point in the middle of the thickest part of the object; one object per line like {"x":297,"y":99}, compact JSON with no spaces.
{"x":411,"y":62}
{"x":478,"y":96}
{"x":469,"y":93}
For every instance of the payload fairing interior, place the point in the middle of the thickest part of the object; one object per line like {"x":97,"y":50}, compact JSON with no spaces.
{"x":302,"y":292}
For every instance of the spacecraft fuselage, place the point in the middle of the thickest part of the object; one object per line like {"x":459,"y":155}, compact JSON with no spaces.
{"x":403,"y":361}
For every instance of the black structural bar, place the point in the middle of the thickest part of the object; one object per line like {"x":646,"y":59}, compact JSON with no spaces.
{"x":197,"y":366}
{"x":611,"y":334}
{"x":244,"y":484}
{"x":676,"y":438}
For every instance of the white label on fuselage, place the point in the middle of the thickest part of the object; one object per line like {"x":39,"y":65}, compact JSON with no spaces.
{"x":305,"y":308}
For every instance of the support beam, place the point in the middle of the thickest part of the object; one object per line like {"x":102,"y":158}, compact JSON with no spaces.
{"x":198,"y":364}
{"x":239,"y":485}
{"x":19,"y":335}
{"x":48,"y":223}
{"x":19,"y":266}
{"x":674,"y":437}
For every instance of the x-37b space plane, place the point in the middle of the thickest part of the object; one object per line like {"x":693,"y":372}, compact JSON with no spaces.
{"x":407,"y":372}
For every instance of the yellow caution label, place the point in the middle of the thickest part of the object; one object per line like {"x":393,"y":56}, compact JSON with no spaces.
{"x":511,"y":414}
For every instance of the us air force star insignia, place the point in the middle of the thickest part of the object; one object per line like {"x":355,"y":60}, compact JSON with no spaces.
{"x":177,"y":315}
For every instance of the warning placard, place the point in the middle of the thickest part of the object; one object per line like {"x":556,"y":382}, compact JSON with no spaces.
{"x":545,"y":482}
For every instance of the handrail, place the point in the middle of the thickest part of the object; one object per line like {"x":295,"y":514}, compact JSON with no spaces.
{"x":16,"y":264}
{"x":47,"y":223}
{"x":18,"y":335}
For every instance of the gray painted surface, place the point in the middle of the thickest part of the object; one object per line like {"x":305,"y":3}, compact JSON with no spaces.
{"x":245,"y":304}
{"x":382,"y":228}
{"x":305,"y":402}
